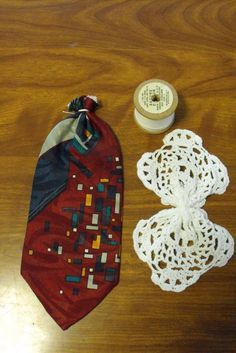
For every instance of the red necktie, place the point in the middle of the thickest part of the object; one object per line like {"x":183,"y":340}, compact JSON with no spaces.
{"x":71,"y":254}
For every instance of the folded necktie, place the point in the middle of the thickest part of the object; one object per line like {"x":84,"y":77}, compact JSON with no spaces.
{"x":71,"y":254}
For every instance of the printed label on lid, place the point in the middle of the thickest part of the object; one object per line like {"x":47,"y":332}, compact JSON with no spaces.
{"x":155,"y":97}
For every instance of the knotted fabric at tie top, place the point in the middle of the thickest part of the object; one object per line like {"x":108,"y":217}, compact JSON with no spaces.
{"x":89,"y":103}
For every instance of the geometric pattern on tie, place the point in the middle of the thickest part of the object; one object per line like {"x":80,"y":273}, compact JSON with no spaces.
{"x":71,"y":254}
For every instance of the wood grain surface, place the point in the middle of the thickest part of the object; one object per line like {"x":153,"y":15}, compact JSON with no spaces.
{"x":53,"y":51}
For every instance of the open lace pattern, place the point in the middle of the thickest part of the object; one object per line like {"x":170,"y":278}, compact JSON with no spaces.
{"x":180,"y":244}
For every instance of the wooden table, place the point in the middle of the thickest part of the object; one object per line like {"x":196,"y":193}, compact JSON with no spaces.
{"x":53,"y":51}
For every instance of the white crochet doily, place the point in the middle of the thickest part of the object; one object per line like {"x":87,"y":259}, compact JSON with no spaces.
{"x":181,"y":243}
